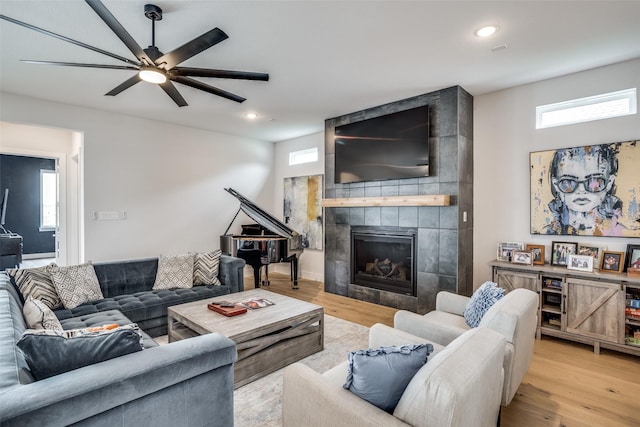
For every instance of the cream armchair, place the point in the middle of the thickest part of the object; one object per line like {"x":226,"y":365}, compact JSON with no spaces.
{"x":514,"y":316}
{"x":460,"y":385}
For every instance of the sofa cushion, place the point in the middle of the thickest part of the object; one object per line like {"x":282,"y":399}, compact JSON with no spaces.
{"x":39,"y":316}
{"x":174,"y":272}
{"x":126,"y":277}
{"x":380,"y":376}
{"x":481,"y":301}
{"x":205,"y":268}
{"x":36,"y":282}
{"x":76,"y":284}
{"x":50,"y":353}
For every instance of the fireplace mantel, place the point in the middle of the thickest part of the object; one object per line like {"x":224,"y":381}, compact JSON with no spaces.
{"x":425,"y":200}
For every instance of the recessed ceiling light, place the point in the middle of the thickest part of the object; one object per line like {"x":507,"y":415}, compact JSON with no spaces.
{"x":251,"y":116}
{"x":486,"y":31}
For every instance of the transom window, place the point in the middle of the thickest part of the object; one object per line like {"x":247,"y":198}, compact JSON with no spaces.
{"x":605,"y":106}
{"x":303,"y":156}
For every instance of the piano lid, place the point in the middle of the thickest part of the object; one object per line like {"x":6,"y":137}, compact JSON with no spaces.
{"x":261,"y":217}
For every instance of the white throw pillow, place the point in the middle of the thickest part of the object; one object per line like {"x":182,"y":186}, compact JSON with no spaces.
{"x":174,"y":272}
{"x":76,"y":284}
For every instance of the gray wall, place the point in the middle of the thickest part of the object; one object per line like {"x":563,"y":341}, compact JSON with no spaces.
{"x":445,"y":241}
{"x":21,"y":175}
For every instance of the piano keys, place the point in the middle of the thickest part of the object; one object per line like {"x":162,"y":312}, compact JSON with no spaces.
{"x":268,"y":241}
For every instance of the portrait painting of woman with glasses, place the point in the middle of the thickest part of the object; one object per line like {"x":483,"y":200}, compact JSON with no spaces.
{"x":583,"y":184}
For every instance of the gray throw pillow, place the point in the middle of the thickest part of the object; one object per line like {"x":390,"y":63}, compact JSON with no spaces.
{"x":50,"y":353}
{"x":39,"y":316}
{"x":481,"y":301}
{"x":205,"y":268}
{"x":36,"y":283}
{"x":174,"y":272}
{"x":381,"y":375}
{"x":76,"y":284}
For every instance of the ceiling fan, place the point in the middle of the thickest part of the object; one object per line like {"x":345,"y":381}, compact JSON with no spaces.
{"x":152,"y":65}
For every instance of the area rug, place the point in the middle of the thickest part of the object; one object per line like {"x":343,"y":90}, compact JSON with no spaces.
{"x":259,"y":403}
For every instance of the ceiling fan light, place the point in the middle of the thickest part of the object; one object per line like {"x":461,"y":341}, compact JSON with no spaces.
{"x":152,"y":76}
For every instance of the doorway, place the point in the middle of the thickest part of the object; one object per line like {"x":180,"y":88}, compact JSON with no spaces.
{"x":65,"y":148}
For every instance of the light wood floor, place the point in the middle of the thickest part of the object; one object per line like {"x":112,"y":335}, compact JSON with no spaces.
{"x":566,"y":385}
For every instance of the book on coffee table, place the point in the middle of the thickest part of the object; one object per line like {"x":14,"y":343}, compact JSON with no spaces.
{"x":254,"y":303}
{"x":226,"y":308}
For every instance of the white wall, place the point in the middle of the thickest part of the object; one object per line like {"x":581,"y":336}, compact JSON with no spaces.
{"x":505,"y":133}
{"x":311,"y":264}
{"x":168,"y":179}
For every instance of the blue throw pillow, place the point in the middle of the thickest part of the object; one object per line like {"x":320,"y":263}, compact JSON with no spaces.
{"x":380,"y":376}
{"x":50,"y":353}
{"x":481,"y":301}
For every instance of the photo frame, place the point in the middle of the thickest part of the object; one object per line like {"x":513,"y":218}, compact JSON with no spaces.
{"x":560,"y":251}
{"x":580,"y":262}
{"x":592,"y":250}
{"x":632,"y":258}
{"x":522,"y":257}
{"x":611,"y":210}
{"x":505,"y":249}
{"x":612,"y":262}
{"x":537,"y":252}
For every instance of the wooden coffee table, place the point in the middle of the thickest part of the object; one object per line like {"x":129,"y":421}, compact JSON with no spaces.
{"x":267,"y":338}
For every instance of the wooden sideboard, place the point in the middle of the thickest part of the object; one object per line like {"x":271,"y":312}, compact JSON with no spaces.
{"x":589,"y":307}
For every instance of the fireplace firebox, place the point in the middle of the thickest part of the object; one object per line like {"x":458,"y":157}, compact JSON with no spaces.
{"x":384,"y":258}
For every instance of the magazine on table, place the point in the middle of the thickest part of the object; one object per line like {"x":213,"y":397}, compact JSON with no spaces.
{"x":254,"y":303}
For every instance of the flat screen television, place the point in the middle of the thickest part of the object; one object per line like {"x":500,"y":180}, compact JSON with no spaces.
{"x":392,"y":146}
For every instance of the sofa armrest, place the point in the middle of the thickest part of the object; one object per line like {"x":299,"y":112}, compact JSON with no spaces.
{"x":451,"y":303}
{"x":231,"y":272}
{"x":310,"y":400}
{"x":82,"y":393}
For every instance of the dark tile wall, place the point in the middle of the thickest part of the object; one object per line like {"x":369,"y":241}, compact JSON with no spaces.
{"x":445,"y":240}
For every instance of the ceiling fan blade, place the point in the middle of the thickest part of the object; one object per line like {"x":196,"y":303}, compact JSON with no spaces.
{"x":124,"y":85}
{"x":223,"y":74}
{"x":192,"y":48}
{"x":76,"y":64}
{"x":67,"y":39}
{"x":171,"y":90}
{"x":119,"y":30}
{"x":205,"y":87}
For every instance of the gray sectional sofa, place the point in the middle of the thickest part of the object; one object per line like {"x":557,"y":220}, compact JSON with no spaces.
{"x":189,"y":382}
{"x":127,"y":287}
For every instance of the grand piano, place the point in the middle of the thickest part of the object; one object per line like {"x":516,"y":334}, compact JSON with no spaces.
{"x":268,"y":241}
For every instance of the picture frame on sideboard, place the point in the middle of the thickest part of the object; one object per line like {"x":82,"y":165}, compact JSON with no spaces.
{"x":560,"y":251}
{"x":580,"y":262}
{"x":632,"y":257}
{"x":612,"y":261}
{"x":538,"y":253}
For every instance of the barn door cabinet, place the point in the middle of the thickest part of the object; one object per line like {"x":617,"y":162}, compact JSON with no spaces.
{"x":597,"y":308}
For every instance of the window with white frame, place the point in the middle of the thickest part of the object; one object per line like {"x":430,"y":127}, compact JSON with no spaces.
{"x":48,"y":198}
{"x":604,"y":106}
{"x":303,"y":156}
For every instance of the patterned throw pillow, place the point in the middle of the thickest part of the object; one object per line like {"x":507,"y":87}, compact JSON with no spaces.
{"x":205,"y":268}
{"x":39,"y":316}
{"x":36,"y":283}
{"x":481,"y":301}
{"x":76,"y":284}
{"x":174,"y":272}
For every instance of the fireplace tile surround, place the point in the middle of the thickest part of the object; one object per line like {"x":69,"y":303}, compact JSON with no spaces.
{"x":444,"y":241}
